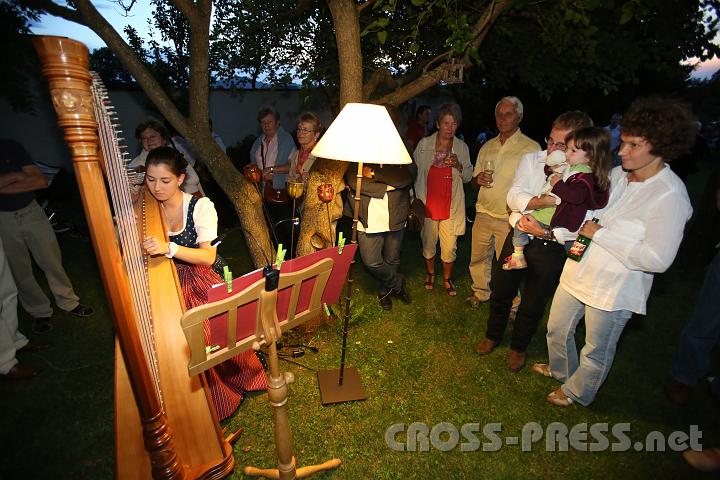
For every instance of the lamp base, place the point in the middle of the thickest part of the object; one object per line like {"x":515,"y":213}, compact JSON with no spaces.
{"x":332,"y":392}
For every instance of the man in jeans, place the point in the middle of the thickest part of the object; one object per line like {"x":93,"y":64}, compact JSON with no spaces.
{"x":491,"y":226}
{"x":545,"y":255}
{"x":384,"y":206}
{"x":26,"y":230}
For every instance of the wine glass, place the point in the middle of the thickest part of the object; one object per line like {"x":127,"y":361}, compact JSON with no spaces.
{"x":489,"y":168}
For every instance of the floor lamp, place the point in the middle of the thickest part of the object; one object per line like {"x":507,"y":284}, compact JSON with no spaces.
{"x":361,"y":133}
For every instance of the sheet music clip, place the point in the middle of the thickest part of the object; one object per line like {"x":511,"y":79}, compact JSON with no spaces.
{"x":272,"y":277}
{"x":227,"y":276}
{"x":280,"y":256}
{"x":341,"y":243}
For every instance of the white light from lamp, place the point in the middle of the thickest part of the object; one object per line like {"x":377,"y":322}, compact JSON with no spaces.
{"x":363,"y":133}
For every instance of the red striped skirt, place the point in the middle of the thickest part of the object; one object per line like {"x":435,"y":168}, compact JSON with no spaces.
{"x":230,"y":380}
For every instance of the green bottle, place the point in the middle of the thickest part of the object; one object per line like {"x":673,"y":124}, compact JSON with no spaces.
{"x":578,"y":248}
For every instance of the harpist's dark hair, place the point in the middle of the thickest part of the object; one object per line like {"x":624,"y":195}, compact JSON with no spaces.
{"x":167,"y":156}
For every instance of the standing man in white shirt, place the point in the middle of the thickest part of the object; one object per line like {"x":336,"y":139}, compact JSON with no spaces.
{"x":545,"y":254}
{"x":491,"y":226}
{"x":272,"y":152}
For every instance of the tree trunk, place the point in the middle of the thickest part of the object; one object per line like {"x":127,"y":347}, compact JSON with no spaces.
{"x":245,"y":198}
{"x":315,"y":233}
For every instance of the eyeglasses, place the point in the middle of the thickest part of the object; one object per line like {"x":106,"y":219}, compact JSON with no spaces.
{"x":560,"y":146}
{"x":304,"y":130}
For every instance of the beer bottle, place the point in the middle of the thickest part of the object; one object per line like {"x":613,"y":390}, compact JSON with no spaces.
{"x":578,"y":248}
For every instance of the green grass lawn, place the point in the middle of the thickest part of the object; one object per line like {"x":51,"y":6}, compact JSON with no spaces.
{"x":417,"y":365}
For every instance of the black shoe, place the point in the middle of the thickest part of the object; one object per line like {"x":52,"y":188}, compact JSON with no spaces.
{"x":403,"y":294}
{"x":82,"y":311}
{"x":385,"y":300}
{"x":34,"y":346}
{"x":61,"y":227}
{"x":42,"y":325}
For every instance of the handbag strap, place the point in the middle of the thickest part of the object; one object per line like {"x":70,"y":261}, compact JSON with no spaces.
{"x":414,"y":194}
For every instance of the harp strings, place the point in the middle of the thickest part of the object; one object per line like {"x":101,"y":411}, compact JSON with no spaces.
{"x":115,"y":158}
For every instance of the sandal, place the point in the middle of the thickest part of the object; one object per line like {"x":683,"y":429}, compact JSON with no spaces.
{"x":542,"y":368}
{"x":450,"y":287}
{"x":558,"y":397}
{"x":429,"y":281}
{"x":515,"y":262}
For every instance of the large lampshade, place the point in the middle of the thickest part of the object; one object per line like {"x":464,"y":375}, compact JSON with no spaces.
{"x":363,"y":133}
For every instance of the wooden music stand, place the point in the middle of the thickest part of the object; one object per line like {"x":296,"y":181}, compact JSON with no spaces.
{"x":268,"y":330}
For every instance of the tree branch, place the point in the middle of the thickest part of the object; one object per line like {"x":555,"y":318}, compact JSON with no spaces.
{"x":56,"y":10}
{"x":428,"y":78}
{"x":414,"y":88}
{"x":379,"y":77}
{"x":364,"y":5}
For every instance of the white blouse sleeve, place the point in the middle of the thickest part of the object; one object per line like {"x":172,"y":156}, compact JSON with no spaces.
{"x":206,"y":220}
{"x":663,"y":227}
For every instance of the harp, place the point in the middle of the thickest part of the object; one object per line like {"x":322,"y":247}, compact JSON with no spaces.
{"x":165,"y":422}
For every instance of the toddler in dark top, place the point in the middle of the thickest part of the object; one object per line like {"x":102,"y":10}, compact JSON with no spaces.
{"x":582,"y":186}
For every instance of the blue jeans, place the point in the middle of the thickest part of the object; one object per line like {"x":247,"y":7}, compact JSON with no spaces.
{"x":583,"y":376}
{"x":520,"y":238}
{"x":701,"y":333}
{"x":380,"y":252}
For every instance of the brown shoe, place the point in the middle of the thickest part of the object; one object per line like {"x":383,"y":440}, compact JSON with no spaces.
{"x":474,"y":302}
{"x":677,"y":392}
{"x":516,"y":360}
{"x":20,"y":372}
{"x":707,"y":460}
{"x":485,"y":347}
{"x":558,"y":397}
{"x":34,"y":346}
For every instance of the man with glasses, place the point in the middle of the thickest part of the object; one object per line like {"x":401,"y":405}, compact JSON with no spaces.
{"x":545,"y":254}
{"x":491,"y":226}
